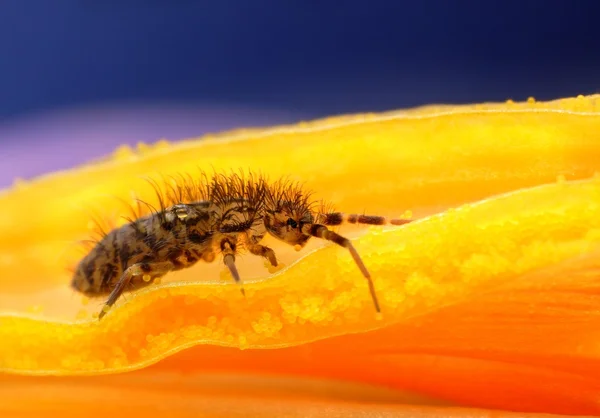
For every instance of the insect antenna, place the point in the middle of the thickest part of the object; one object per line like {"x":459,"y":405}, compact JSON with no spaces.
{"x":338,"y":218}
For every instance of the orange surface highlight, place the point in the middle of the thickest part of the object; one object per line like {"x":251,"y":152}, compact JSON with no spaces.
{"x":489,"y":299}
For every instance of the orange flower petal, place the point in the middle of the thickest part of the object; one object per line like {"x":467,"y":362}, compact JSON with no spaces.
{"x":144,"y":394}
{"x":492,"y":304}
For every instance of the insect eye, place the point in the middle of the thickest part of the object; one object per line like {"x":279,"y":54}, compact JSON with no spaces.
{"x":292,"y":223}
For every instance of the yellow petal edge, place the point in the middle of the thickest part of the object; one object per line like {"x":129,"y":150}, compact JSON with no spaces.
{"x":497,"y":191}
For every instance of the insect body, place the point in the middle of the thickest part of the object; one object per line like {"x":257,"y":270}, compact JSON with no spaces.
{"x":200,"y":220}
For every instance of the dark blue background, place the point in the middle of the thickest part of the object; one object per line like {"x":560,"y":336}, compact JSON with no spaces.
{"x":306,"y":56}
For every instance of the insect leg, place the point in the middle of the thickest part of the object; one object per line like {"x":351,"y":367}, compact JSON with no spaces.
{"x":321,"y":231}
{"x":265,"y":252}
{"x":139,"y":269}
{"x":228,"y":249}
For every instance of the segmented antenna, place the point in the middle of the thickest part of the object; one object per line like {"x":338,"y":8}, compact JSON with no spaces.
{"x":338,"y":218}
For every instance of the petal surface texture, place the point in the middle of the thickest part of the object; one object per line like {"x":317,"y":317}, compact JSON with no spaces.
{"x":490,"y":298}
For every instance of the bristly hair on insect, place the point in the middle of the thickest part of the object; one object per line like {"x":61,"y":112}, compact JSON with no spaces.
{"x":198,"y":218}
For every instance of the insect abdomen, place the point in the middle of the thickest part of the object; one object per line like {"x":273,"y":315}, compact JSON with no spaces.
{"x":97,"y":269}
{"x":97,"y":272}
{"x":148,"y":240}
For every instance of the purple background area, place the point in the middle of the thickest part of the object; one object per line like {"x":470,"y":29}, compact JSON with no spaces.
{"x":59,"y":140}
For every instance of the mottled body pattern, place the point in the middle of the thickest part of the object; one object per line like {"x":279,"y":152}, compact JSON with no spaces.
{"x":198,"y":220}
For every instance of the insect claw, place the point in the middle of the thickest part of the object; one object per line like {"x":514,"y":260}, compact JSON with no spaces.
{"x":103,"y":312}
